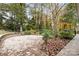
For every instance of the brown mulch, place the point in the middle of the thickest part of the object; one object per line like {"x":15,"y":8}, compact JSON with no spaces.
{"x":54,"y":46}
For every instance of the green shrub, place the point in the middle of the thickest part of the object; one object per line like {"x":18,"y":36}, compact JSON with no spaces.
{"x":30,"y":32}
{"x":27,"y":32}
{"x":67,"y":34}
{"x":47,"y":34}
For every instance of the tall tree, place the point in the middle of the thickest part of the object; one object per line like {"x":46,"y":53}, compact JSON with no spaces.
{"x":19,"y":12}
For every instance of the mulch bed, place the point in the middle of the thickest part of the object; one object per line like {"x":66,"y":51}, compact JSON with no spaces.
{"x":54,"y":46}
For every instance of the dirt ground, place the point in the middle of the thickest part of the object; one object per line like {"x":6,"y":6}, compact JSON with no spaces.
{"x":52,"y":48}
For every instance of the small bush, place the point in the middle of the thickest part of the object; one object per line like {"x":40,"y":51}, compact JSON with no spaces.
{"x":30,"y":32}
{"x":67,"y":34}
{"x":47,"y":34}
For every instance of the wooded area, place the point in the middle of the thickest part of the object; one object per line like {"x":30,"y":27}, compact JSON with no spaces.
{"x":20,"y":17}
{"x":51,"y":20}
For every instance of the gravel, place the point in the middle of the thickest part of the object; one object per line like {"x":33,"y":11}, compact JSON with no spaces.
{"x":22,"y":45}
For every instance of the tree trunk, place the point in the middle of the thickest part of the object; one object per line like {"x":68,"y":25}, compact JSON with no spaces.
{"x":77,"y":10}
{"x":54,"y":18}
{"x":21,"y":28}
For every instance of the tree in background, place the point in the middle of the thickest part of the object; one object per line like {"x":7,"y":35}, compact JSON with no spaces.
{"x":15,"y":16}
{"x":19,"y":11}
